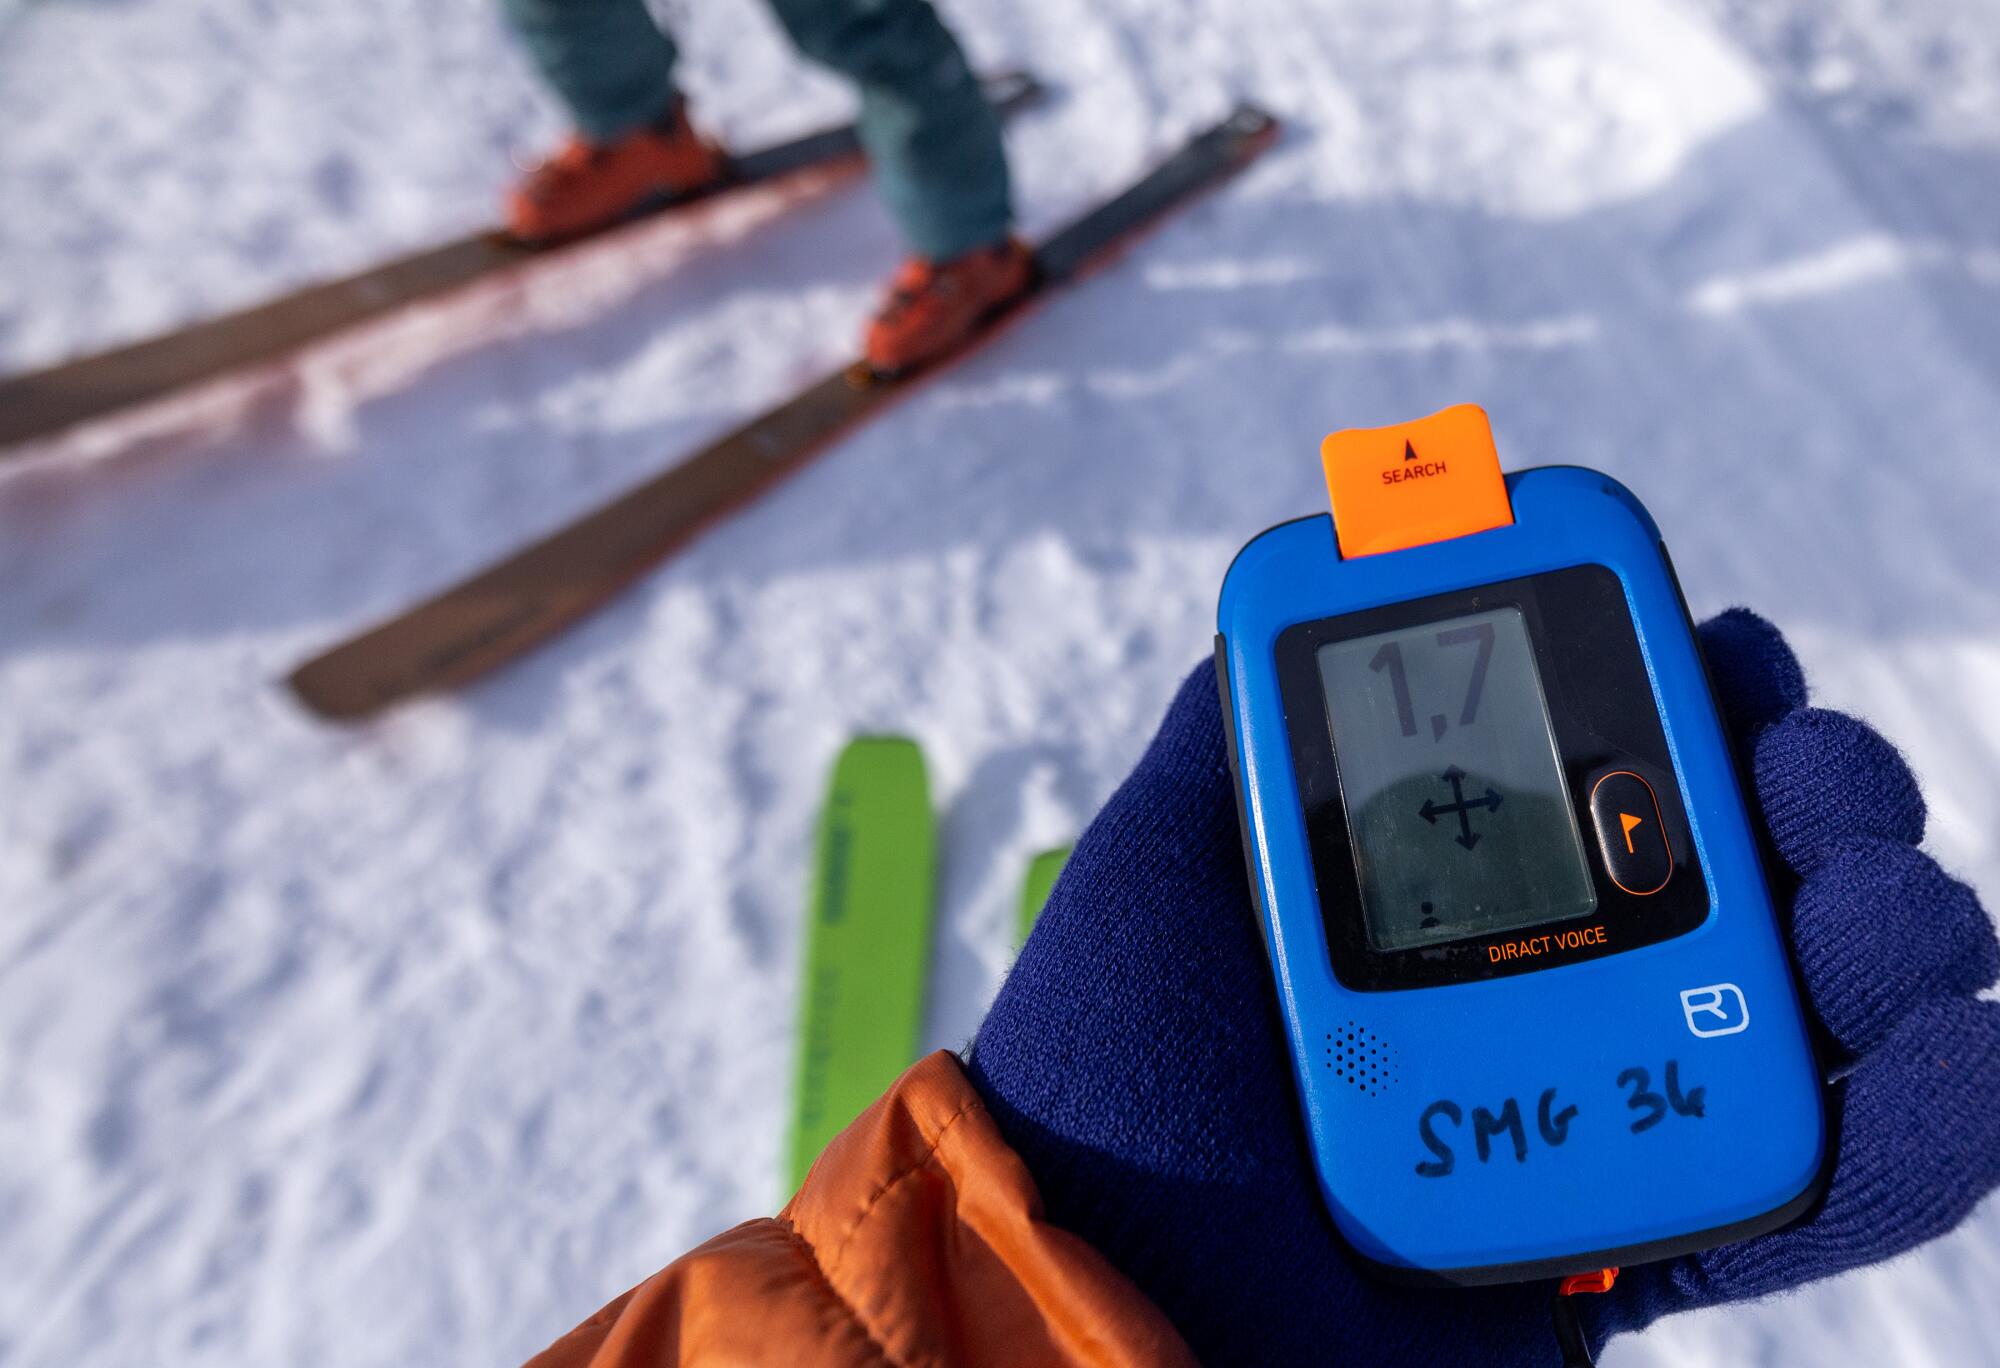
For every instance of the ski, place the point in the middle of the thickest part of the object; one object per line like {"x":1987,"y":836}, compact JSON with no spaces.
{"x":504,"y":610}
{"x":1036,"y":885}
{"x":40,"y":403}
{"x":867,"y":945}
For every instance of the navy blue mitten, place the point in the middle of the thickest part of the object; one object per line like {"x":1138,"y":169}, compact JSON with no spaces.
{"x":1135,"y":1059}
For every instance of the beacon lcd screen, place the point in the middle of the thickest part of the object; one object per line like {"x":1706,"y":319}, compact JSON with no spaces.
{"x":1457,"y":810}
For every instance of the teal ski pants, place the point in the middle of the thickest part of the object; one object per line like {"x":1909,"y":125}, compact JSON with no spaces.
{"x":933,"y":140}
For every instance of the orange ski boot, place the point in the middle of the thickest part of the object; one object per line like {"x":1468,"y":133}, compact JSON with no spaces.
{"x":933,"y":306}
{"x":588,"y":185}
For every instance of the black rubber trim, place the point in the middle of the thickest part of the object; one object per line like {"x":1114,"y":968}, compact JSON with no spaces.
{"x":1236,"y":783}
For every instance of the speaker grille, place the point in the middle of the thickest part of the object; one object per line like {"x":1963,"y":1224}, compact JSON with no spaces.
{"x":1359,"y":1057}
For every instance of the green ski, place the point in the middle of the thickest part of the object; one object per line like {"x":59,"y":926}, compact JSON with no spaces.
{"x":867,"y":951}
{"x":1043,"y":870}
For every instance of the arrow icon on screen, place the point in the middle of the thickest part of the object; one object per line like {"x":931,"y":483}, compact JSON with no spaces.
{"x":1461,"y":805}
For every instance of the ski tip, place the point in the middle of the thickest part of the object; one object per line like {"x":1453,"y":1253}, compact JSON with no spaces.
{"x":882,"y":742}
{"x":1044,"y":868}
{"x":875,"y":757}
{"x":325,"y":698}
{"x":1252,"y":123}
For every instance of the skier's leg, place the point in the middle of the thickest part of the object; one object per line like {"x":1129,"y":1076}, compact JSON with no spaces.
{"x":614,"y":68}
{"x":933,"y":139}
{"x":607,"y":59}
{"x":935,"y":146}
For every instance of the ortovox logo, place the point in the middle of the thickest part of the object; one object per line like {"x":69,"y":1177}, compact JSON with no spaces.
{"x":1715,"y":1010}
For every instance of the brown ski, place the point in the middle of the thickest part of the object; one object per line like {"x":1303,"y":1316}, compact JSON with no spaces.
{"x":503,"y":611}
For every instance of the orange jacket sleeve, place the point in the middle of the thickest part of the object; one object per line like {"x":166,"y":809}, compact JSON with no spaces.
{"x":917,"y":1238}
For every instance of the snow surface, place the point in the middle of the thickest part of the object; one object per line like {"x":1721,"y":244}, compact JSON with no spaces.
{"x":414,"y":1044}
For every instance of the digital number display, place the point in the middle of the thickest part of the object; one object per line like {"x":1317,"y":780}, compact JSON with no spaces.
{"x":1460,"y":820}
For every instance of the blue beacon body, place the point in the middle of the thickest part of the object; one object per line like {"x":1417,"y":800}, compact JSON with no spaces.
{"x":1540,"y":1009}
